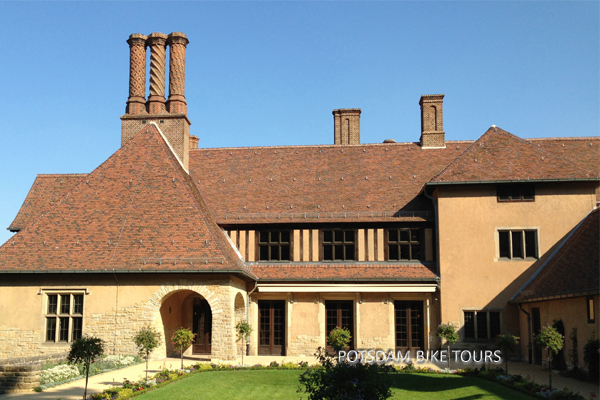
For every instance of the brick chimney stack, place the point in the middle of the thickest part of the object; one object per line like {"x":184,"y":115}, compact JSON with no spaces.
{"x":170,"y":116}
{"x":136,"y":104}
{"x":156,"y":101}
{"x":432,"y":121}
{"x":176,"y":103}
{"x":346,"y":126}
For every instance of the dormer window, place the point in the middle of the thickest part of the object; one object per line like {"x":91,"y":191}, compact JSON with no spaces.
{"x":338,"y":245}
{"x":516,"y":192}
{"x":274,"y":245}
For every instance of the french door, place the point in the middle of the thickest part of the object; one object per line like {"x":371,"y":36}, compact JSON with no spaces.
{"x":271,"y":335}
{"x":409,"y":325}
{"x":202,"y":320}
{"x":340,"y":313}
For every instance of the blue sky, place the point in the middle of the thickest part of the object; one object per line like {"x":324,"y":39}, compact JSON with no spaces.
{"x":270,"y":73}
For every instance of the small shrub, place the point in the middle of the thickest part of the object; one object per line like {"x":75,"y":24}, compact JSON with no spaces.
{"x":553,"y":342}
{"x":181,"y":339}
{"x":37,"y":389}
{"x":204,"y":367}
{"x":59,"y":373}
{"x":290,"y":366}
{"x":449,"y":334}
{"x":125,"y":393}
{"x":573,"y":353}
{"x":274,"y":364}
{"x":339,"y":338}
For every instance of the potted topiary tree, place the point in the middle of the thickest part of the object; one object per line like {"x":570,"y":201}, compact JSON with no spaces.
{"x":243,"y":329}
{"x":506,"y":343}
{"x":182,"y":338}
{"x":84,"y":351}
{"x":448,"y":333}
{"x":339,"y":338}
{"x":553,"y":342}
{"x":147,"y":339}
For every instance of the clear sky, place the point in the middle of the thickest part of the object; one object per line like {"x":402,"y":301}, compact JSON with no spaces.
{"x":270,"y":73}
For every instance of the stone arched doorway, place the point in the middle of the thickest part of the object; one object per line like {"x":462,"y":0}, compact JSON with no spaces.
{"x":188,"y":309}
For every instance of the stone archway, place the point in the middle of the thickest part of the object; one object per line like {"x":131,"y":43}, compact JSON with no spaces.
{"x":239,"y":307}
{"x":223,"y":337}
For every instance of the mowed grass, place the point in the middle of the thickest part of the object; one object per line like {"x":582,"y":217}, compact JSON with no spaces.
{"x":283,"y":384}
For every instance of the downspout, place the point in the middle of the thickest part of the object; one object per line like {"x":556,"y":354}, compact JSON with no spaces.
{"x":529,"y":344}
{"x":437,"y":253}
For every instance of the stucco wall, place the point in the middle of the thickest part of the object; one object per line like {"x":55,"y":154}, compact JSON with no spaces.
{"x":573,"y":313}
{"x":472,"y":277}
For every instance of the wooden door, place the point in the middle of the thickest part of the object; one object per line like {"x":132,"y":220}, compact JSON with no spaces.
{"x":271,"y":338}
{"x":409,"y":325}
{"x":340,"y":313}
{"x":202,"y":326}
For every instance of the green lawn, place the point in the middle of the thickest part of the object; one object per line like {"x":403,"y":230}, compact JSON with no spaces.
{"x":282,"y":384}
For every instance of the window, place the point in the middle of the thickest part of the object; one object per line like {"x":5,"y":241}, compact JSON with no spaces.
{"x":338,"y":245}
{"x":517,"y":244}
{"x":590,"y":310}
{"x":403,"y":244}
{"x":516,"y":192}
{"x":481,"y":326}
{"x":274,"y":246}
{"x":64,"y":317}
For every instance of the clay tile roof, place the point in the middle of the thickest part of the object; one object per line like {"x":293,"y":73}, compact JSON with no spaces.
{"x":501,"y":156}
{"x":572,"y":269}
{"x":46,"y":190}
{"x":335,"y":272}
{"x":313,"y":183}
{"x":139,"y":210}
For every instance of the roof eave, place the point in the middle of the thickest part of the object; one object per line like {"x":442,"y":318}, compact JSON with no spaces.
{"x":512,"y":181}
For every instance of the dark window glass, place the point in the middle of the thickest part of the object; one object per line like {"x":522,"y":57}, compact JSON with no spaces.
{"x":515,"y":192}
{"x":77,"y":328}
{"x":64,"y":329}
{"x":403,"y":244}
{"x":52,"y":303}
{"x":494,"y":324}
{"x":469,"y":325}
{"x":65,"y":303}
{"x":274,"y":246}
{"x":504,"y":244}
{"x":338,"y":245}
{"x":530,"y":244}
{"x":503,"y":193}
{"x":511,"y":244}
{"x":78,"y":304}
{"x":517,"y":244}
{"x":50,"y":329}
{"x":482,"y":332}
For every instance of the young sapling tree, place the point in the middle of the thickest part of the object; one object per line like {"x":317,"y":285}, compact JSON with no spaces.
{"x":85,"y":350}
{"x":147,"y":339}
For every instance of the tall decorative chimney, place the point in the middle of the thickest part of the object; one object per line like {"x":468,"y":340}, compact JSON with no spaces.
{"x":170,"y":115}
{"x":346,"y":126}
{"x":432,"y":121}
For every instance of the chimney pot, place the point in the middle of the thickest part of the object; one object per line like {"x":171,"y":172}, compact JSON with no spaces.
{"x":194,"y":142}
{"x":346,"y":126}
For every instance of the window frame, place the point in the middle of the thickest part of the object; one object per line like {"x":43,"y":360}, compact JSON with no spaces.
{"x":410,"y":243}
{"x":524,"y":244}
{"x":270,"y":243}
{"x":476,"y":325}
{"x":510,"y":188}
{"x":73,"y":316}
{"x":335,"y":243}
{"x":591,"y":310}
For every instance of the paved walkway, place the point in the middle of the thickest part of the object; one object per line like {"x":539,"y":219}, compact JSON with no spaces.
{"x":74,"y":390}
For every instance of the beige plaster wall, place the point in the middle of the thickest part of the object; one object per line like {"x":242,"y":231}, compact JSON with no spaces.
{"x":472,"y":277}
{"x":573,"y":313}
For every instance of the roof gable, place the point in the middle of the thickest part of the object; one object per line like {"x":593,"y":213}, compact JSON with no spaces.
{"x":139,"y":210}
{"x":572,"y":269}
{"x":501,"y":156}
